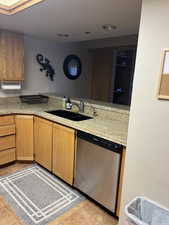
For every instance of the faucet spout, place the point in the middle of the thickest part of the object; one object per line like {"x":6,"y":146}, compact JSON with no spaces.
{"x":80,"y":106}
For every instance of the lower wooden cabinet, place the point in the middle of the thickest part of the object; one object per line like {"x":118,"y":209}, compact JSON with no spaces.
{"x":7,"y":139}
{"x":63,"y":152}
{"x":24,"y":137}
{"x":7,"y":142}
{"x":49,"y":144}
{"x":7,"y":156}
{"x":7,"y":130}
{"x":6,"y":120}
{"x":43,"y":142}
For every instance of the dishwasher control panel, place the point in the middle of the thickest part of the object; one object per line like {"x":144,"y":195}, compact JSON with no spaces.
{"x":109,"y":145}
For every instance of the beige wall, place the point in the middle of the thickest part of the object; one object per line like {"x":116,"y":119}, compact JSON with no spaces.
{"x":128,"y":40}
{"x":36,"y":82}
{"x":147,"y":163}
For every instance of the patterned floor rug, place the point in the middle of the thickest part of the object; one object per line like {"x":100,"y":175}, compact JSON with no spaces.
{"x":36,"y":196}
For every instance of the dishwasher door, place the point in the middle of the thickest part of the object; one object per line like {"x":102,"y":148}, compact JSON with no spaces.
{"x":97,"y":173}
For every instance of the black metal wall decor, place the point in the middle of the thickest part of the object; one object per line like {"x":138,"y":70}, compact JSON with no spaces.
{"x":72,"y":67}
{"x":45,"y":66}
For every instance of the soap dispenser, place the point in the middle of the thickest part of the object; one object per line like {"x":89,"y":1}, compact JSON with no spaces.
{"x":68,"y":104}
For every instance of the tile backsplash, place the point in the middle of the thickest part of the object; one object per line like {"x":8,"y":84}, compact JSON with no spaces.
{"x":94,"y":110}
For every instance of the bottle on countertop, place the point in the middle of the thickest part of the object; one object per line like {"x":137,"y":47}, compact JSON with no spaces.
{"x":68,"y":104}
{"x":64,"y":102}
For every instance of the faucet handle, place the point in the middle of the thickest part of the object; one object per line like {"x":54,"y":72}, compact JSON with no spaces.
{"x":94,"y":112}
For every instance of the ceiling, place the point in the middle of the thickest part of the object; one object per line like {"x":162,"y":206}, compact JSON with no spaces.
{"x":8,"y":2}
{"x":75,"y":17}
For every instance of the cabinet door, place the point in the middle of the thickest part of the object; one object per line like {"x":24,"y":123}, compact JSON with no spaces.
{"x":63,"y":152}
{"x":43,"y":142}
{"x":11,"y":56}
{"x":24,"y":137}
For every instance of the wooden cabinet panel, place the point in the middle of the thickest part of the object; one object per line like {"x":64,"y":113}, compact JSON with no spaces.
{"x":63,"y":152}
{"x":7,"y":156}
{"x":7,"y":142}
{"x":7,"y":130}
{"x":102,"y":85}
{"x":121,"y":183}
{"x":24,"y":137}
{"x":6,"y":120}
{"x":11,"y":56}
{"x":43,"y":142}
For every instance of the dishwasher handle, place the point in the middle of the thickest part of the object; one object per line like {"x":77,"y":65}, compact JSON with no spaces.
{"x":109,"y":145}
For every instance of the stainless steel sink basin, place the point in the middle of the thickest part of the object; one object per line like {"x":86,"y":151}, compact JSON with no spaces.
{"x":69,"y":115}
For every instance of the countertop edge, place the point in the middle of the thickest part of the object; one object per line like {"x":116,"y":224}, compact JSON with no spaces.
{"x":64,"y":122}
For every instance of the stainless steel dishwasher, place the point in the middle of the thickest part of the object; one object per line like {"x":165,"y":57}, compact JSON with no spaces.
{"x":98,"y":169}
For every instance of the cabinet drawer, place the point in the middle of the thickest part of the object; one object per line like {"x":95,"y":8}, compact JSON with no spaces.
{"x":7,"y":156}
{"x":6,"y":120}
{"x":7,"y":142}
{"x":7,"y":130}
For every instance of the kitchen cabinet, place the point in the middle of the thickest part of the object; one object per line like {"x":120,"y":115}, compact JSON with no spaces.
{"x":7,"y":156}
{"x":7,"y":139}
{"x":24,"y":137}
{"x":11,"y":56}
{"x":63,"y":152}
{"x":121,"y":178}
{"x":7,"y":142}
{"x":43,"y":142}
{"x":7,"y":130}
{"x":102,"y":64}
{"x":54,"y":146}
{"x":6,"y":120}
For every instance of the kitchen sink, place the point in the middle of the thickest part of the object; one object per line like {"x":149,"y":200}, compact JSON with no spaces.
{"x":69,"y":115}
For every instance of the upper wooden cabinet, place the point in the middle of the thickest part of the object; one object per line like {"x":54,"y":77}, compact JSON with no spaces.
{"x":24,"y":137}
{"x":63,"y":152}
{"x":43,"y":142}
{"x":11,"y":56}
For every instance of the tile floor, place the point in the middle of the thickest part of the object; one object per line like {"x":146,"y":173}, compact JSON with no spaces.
{"x":7,"y":215}
{"x":85,"y":213}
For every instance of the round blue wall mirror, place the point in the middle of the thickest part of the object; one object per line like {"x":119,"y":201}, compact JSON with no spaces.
{"x":72,"y":67}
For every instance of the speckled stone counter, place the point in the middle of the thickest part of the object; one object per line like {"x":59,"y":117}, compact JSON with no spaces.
{"x":111,"y":129}
{"x":96,"y":104}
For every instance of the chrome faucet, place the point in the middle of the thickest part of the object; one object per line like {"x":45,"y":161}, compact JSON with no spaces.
{"x":80,"y":106}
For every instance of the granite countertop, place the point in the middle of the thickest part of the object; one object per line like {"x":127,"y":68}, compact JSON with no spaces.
{"x":113,"y":130}
{"x":95,"y":103}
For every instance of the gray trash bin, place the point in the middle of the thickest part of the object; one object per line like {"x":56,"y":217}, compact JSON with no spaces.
{"x":143,"y":211}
